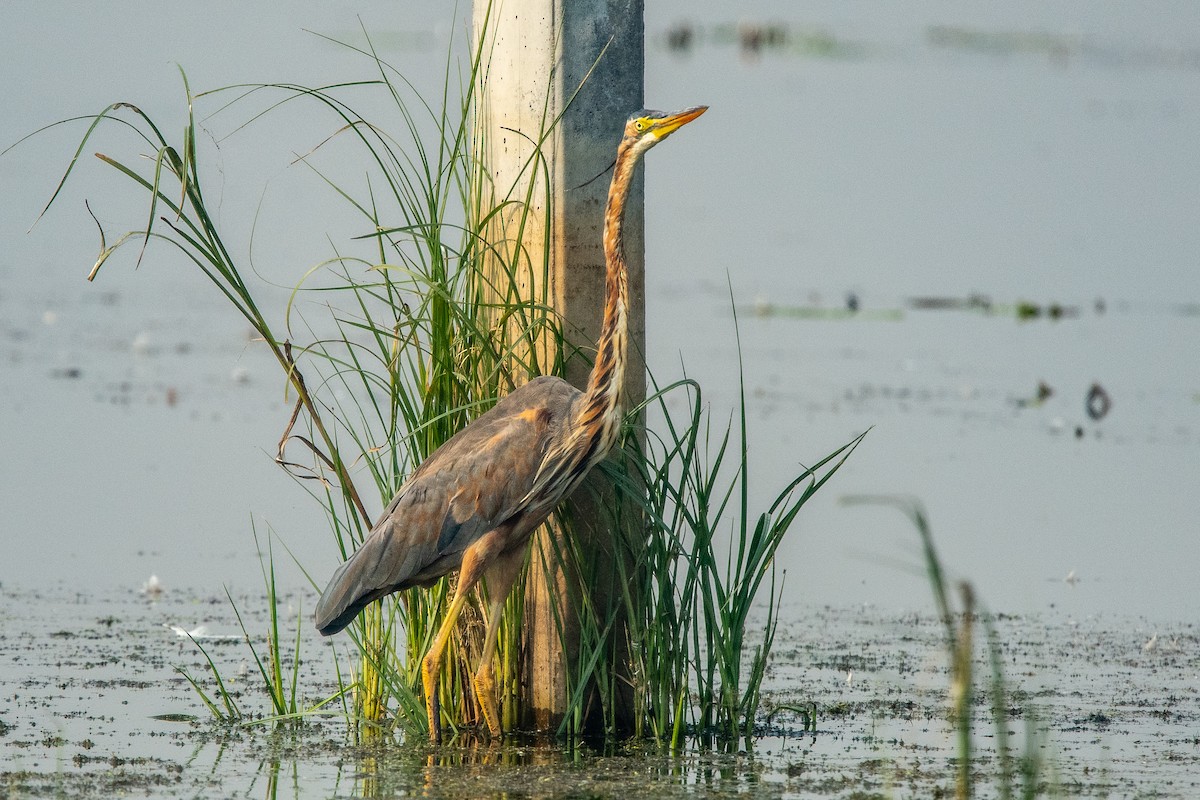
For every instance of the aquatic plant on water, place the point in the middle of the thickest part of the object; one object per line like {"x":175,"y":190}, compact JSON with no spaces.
{"x":1028,"y":765}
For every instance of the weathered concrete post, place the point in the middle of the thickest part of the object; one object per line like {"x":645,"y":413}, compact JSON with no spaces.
{"x":537,"y":53}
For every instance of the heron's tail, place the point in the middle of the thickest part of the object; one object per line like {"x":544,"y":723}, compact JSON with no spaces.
{"x":385,"y":563}
{"x":353,"y":586}
{"x":339,"y":604}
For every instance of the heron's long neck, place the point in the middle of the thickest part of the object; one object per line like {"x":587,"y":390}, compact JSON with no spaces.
{"x":601,"y":406}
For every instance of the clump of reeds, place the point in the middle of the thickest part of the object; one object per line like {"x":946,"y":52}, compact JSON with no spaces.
{"x":681,"y":659}
{"x":433,"y":325}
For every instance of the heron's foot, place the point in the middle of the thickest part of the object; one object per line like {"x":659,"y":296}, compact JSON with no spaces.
{"x":432,"y":703}
{"x":485,"y":693}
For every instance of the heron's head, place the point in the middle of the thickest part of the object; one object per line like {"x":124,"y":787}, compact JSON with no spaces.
{"x":644,"y":129}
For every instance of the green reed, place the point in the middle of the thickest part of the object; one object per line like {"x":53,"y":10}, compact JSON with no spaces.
{"x":689,"y":596}
{"x":277,"y":666}
{"x":960,"y":648}
{"x":228,"y":709}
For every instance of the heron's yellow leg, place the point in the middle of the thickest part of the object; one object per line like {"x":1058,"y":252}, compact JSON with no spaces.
{"x":500,"y":576}
{"x":432,"y":663}
{"x":485,"y":686}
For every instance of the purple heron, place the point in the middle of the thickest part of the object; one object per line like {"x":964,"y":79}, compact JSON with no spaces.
{"x":472,"y":505}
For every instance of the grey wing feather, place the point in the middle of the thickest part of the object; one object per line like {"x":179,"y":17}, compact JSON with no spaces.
{"x":469,"y":486}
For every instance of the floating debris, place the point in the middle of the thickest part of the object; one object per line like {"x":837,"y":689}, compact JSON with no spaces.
{"x":1098,"y":402}
{"x":1071,"y":578}
{"x":973,"y":302}
{"x":765,"y":308}
{"x":1055,"y":311}
{"x":1060,"y":49}
{"x":1044,"y":393}
{"x":754,"y":36}
{"x":680,"y":36}
{"x":153,"y":588}
{"x":142,"y":344}
{"x":1057,"y":47}
{"x":201,"y":632}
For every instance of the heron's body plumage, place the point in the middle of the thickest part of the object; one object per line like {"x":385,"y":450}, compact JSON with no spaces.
{"x":479,"y":481}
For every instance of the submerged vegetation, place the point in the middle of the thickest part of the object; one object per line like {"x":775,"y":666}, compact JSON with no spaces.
{"x":430,"y":321}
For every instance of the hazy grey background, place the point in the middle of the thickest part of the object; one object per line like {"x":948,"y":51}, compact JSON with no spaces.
{"x":1043,"y":152}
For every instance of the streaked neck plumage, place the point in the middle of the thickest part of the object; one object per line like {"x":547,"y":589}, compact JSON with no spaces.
{"x":600,"y":409}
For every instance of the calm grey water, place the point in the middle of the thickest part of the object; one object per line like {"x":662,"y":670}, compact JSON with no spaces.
{"x":93,"y":707}
{"x":1039,"y":152}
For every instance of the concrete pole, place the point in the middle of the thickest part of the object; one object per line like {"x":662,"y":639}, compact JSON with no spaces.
{"x":537,"y":54}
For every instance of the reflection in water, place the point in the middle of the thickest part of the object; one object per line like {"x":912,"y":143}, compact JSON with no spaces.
{"x":540,"y":767}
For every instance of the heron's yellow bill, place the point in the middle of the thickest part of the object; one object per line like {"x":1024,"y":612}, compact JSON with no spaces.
{"x":673,"y":122}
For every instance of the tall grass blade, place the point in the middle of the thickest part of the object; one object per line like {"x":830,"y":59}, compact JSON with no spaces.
{"x":960,"y":651}
{"x":229,"y":710}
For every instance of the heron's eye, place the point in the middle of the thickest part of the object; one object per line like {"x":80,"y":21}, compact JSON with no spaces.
{"x":640,"y":125}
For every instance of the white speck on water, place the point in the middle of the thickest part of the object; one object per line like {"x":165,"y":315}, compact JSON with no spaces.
{"x":141,"y":344}
{"x":200,"y":632}
{"x":153,"y":588}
